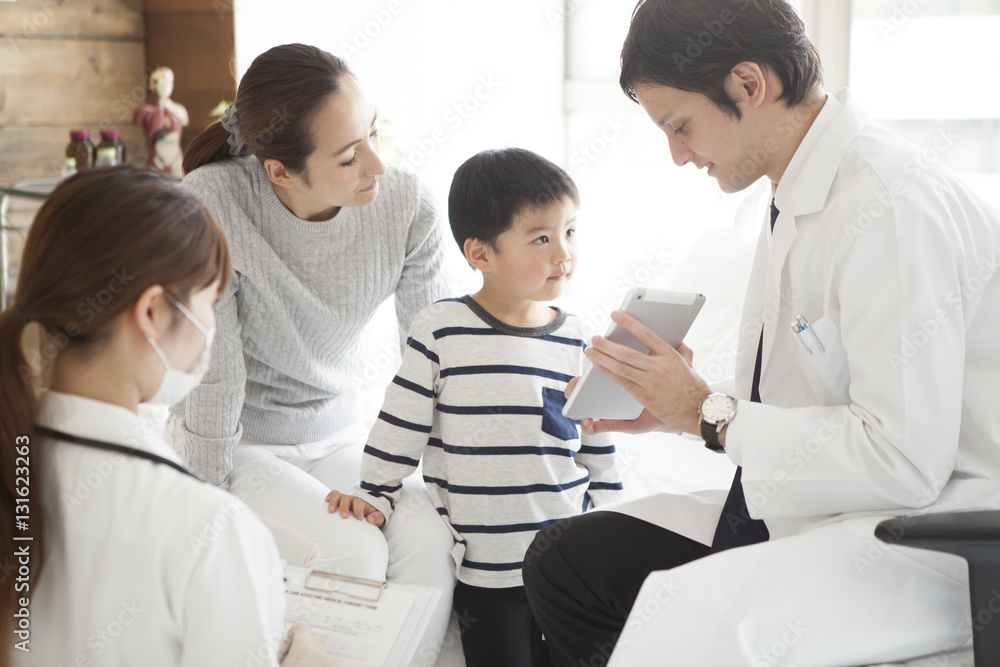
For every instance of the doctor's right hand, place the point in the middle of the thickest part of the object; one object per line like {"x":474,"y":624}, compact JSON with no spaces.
{"x":346,"y":504}
{"x":306,"y":649}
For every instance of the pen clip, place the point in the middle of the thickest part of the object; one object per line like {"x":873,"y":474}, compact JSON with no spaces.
{"x":797,"y":330}
{"x":801,"y":325}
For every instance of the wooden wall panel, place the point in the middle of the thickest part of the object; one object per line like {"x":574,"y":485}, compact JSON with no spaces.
{"x":195,"y":39}
{"x":67,"y":64}
{"x":89,"y":83}
{"x":26,"y":19}
{"x":64,"y":64}
{"x":217,"y":7}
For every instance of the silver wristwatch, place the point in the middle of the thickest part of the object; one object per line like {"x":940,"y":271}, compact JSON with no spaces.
{"x":714,"y":412}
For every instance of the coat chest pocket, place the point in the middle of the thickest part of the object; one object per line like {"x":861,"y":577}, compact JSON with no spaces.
{"x":828,"y":359}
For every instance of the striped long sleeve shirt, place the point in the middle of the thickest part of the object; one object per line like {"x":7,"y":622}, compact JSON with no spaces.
{"x":480,"y":402}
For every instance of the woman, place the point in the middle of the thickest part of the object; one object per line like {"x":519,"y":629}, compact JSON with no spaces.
{"x":143,"y":562}
{"x":322,"y":233}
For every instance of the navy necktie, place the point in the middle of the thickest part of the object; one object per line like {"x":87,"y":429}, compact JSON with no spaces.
{"x":736,"y":528}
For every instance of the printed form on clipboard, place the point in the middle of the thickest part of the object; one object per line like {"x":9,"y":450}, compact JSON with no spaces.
{"x":362,"y":623}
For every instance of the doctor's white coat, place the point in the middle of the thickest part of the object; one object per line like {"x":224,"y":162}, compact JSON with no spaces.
{"x":893,"y":262}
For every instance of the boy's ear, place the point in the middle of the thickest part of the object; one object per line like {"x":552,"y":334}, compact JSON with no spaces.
{"x":477,"y":253}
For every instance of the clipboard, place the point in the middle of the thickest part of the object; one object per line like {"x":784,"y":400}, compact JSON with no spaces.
{"x":361,"y":622}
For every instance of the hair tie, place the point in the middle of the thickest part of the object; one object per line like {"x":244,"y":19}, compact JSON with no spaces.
{"x":24,"y":313}
{"x":237,"y":146}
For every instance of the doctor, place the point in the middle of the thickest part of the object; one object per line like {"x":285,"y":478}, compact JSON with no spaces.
{"x":114,"y":553}
{"x":884,"y":405}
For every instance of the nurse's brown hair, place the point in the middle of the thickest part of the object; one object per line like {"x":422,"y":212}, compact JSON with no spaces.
{"x":101,"y":238}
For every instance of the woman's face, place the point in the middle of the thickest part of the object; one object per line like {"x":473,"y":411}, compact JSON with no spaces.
{"x":344,"y":167}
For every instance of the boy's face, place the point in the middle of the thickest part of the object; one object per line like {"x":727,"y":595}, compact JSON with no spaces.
{"x":535,"y":258}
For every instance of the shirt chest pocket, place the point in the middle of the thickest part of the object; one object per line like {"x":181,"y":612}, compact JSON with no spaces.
{"x":825,"y":361}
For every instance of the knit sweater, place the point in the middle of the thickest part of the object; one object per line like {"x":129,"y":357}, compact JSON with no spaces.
{"x":481,"y":402}
{"x":286,"y":352}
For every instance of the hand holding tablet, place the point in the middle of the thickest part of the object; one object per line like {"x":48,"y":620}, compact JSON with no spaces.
{"x":669,"y":315}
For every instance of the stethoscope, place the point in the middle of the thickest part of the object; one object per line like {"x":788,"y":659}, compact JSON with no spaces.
{"x":110,"y":446}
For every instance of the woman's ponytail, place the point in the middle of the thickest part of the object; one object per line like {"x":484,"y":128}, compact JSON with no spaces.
{"x":209,"y":146}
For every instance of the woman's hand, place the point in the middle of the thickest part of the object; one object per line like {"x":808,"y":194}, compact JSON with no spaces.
{"x":347,"y":504}
{"x":663,"y":381}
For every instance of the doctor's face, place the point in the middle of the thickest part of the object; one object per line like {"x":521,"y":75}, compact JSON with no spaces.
{"x":702,"y":134}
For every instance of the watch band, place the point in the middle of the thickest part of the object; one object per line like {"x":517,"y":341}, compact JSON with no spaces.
{"x":711,"y":436}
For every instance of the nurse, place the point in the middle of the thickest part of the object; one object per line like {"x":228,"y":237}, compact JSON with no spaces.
{"x":118,"y":554}
{"x":866,"y":379}
{"x":322,"y":233}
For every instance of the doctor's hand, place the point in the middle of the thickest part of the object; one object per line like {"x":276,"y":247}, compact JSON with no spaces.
{"x":346,"y":504}
{"x":644,"y":423}
{"x":663,"y":381}
{"x":306,"y":649}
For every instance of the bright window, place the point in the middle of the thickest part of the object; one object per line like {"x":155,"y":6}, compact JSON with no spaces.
{"x":925,"y":68}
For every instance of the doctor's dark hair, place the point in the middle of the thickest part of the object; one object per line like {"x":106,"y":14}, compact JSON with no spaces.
{"x":276,"y":102}
{"x":494,"y":186}
{"x":97,"y":243}
{"x":693,"y":45}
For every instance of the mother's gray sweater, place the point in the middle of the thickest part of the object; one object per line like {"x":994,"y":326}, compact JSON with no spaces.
{"x":285,"y":357}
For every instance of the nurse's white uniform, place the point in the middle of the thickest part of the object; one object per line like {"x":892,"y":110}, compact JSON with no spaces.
{"x":146,"y":565}
{"x":892,"y":260}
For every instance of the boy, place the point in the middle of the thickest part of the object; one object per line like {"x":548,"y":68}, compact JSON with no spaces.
{"x":479,"y":396}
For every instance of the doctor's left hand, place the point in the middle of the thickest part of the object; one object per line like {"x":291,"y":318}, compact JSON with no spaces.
{"x":663,"y":381}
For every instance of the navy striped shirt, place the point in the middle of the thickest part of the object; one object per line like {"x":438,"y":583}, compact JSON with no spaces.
{"x":480,"y":403}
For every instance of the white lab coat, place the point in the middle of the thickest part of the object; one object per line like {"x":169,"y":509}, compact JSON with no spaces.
{"x":145,"y":565}
{"x":891,"y":259}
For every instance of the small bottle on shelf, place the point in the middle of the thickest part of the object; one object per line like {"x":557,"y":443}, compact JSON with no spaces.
{"x":68,"y":168}
{"x":112,"y":137}
{"x":81,"y":149}
{"x":107,"y":156}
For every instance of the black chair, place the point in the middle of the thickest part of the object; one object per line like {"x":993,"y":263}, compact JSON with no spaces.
{"x":975,"y":536}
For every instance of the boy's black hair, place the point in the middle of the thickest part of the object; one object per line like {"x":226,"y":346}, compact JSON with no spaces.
{"x":493,"y":186}
{"x":693,"y":45}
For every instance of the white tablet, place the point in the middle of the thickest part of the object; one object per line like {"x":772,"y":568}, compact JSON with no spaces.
{"x":669,"y":315}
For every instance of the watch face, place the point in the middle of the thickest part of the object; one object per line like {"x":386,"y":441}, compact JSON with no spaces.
{"x":718,"y":409}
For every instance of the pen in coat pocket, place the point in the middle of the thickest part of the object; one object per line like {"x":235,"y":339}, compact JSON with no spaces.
{"x":800,"y":325}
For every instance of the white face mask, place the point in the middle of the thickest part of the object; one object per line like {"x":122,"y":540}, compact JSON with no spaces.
{"x":177,"y":384}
